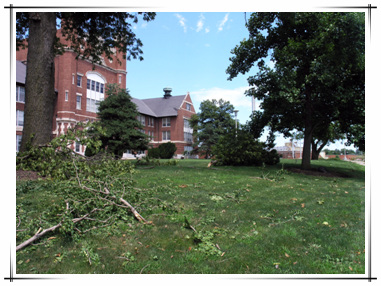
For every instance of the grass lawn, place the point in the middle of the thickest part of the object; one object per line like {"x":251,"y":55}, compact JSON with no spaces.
{"x":233,"y":220}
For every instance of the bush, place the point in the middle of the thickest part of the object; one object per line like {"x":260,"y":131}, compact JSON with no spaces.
{"x":243,"y":150}
{"x":154,"y":153}
{"x":164,"y":151}
{"x":167,"y":150}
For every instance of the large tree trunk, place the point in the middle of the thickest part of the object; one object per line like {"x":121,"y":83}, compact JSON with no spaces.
{"x":39,"y":84}
{"x":308,"y":129}
{"x":315,"y":150}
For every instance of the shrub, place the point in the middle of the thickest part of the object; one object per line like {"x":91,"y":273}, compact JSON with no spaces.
{"x":164,"y":151}
{"x":167,"y":150}
{"x":243,"y":150}
{"x":154,"y":153}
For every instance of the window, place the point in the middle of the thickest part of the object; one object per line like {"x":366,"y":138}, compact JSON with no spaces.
{"x":79,"y":101}
{"x":72,"y":78}
{"x":77,"y":146}
{"x":188,"y":149}
{"x":95,"y":91}
{"x":188,"y":137}
{"x":66,"y":95}
{"x":18,"y":142}
{"x":79,"y":80}
{"x":20,"y":94}
{"x":120,"y":78}
{"x":186,"y":123}
{"x":166,"y":121}
{"x":92,"y":105}
{"x":151,"y":121}
{"x":188,"y":106}
{"x":166,"y":135}
{"x":19,"y":118}
{"x":142,"y":119}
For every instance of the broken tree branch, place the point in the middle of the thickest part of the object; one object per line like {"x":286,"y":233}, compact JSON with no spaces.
{"x":133,"y":210}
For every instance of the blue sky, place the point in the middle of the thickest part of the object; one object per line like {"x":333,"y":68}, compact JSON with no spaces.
{"x":189,"y":52}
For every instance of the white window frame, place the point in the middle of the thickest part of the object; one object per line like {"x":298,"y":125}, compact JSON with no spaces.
{"x":20,"y":118}
{"x":166,"y":136}
{"x":79,"y":80}
{"x":18,"y":93}
{"x":142,"y":119}
{"x":166,"y":121}
{"x":188,"y":137}
{"x":66,"y":95}
{"x":78,"y":104}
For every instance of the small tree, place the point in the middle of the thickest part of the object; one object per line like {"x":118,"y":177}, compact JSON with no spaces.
{"x":213,"y":120}
{"x":243,"y":149}
{"x":122,"y":131}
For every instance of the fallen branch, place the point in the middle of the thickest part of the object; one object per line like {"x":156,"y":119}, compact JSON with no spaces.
{"x":37,"y":236}
{"x":133,"y":210}
{"x":40,"y":233}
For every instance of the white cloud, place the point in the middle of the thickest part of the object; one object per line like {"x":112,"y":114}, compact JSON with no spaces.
{"x":235,"y":96}
{"x":207,"y":30}
{"x":200,"y":23}
{"x":223,"y":22}
{"x":182,"y":21}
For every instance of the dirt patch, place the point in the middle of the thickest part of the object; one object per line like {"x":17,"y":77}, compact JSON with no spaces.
{"x":26,"y":175}
{"x":318,"y":172}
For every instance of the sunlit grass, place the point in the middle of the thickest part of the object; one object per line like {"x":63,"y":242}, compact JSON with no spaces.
{"x":221,"y":220}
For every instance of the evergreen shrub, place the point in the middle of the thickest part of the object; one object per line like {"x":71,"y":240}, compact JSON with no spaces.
{"x":164,"y":151}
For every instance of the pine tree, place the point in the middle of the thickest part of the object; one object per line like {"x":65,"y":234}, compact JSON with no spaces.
{"x":117,"y":114}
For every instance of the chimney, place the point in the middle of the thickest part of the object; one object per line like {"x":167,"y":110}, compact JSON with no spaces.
{"x":167,"y":92}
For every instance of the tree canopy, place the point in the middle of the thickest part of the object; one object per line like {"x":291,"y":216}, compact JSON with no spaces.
{"x":90,"y":35}
{"x":318,"y":76}
{"x":213,"y":120}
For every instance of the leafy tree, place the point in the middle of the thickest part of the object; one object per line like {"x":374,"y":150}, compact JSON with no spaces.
{"x":243,"y":149}
{"x":326,"y":135}
{"x":122,"y":131}
{"x":213,"y":120}
{"x":99,"y":33}
{"x":318,"y":75}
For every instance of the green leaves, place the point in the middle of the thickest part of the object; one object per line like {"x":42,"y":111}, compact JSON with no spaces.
{"x":213,"y":120}
{"x":318,"y":76}
{"x":117,"y":115}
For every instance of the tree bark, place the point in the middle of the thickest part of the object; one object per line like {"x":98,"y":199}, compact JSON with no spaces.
{"x":316,"y":151}
{"x":39,"y":85}
{"x":308,"y":129}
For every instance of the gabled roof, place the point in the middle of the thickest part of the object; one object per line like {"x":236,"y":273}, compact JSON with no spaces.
{"x":20,"y":72}
{"x":159,"y":107}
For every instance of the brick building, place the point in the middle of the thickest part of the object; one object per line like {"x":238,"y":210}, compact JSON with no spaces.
{"x":80,"y":85}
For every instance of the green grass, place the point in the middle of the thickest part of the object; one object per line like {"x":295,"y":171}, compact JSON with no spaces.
{"x":261,"y":220}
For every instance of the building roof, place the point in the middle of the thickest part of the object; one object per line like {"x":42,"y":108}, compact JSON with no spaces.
{"x":20,"y":72}
{"x":159,"y":107}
